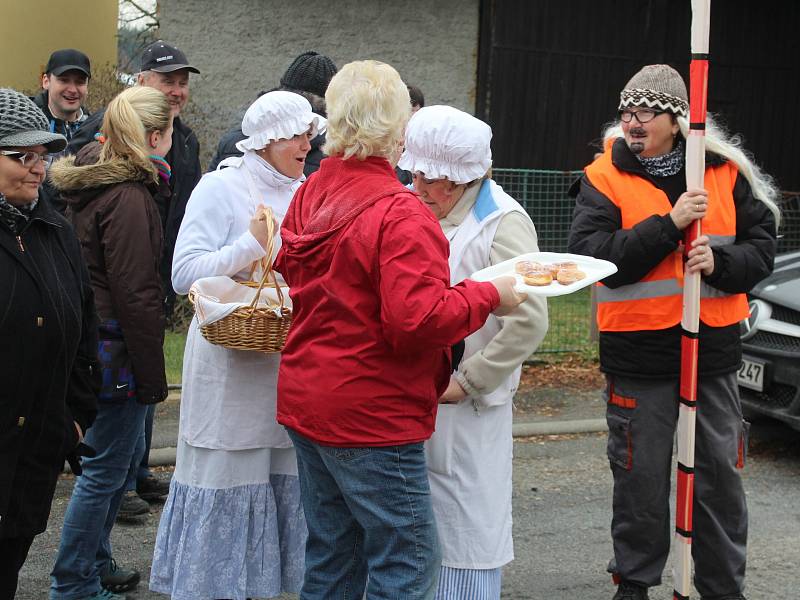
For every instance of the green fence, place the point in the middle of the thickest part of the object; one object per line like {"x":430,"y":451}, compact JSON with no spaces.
{"x":544,"y":194}
{"x":789,"y":231}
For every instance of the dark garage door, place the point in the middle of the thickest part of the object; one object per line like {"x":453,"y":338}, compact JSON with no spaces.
{"x":550,"y":73}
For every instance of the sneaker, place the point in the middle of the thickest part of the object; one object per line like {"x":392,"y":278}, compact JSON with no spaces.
{"x":104,"y":595}
{"x":152,"y":488}
{"x":630,"y":591}
{"x":132,"y":507}
{"x":117,"y":580}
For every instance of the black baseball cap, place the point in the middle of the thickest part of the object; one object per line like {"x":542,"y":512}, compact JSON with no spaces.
{"x":163,"y":58}
{"x":68,"y":59}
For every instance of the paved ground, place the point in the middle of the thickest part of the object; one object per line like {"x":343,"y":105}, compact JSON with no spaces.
{"x":562,"y":493}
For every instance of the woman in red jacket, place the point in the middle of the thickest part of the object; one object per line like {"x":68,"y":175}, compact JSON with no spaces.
{"x":368,"y":353}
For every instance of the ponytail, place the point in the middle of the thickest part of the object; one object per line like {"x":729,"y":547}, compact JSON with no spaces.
{"x":128,"y":120}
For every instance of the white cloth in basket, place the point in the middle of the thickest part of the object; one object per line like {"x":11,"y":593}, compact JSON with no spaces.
{"x":217,"y":297}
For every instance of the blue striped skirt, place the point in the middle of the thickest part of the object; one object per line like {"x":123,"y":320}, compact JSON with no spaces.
{"x":469,"y":584}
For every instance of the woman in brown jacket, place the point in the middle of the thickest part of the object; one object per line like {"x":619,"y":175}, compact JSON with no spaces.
{"x":109,"y":189}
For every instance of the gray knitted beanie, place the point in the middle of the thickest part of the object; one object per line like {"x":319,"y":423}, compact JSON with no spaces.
{"x":656,"y":86}
{"x":23,"y":124}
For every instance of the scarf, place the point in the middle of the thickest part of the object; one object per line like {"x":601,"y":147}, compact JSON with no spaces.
{"x":160,"y":163}
{"x":666,"y":164}
{"x":15,"y":217}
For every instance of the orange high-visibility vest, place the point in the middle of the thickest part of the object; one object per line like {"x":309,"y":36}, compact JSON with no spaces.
{"x":656,"y":301}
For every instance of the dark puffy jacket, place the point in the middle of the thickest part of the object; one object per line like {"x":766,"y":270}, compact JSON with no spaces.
{"x":227,"y":148}
{"x":596,"y":230}
{"x":184,"y":159}
{"x":112,"y":209}
{"x":48,"y":368}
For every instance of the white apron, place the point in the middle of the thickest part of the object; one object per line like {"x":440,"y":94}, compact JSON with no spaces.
{"x":229,"y":397}
{"x":470,"y":454}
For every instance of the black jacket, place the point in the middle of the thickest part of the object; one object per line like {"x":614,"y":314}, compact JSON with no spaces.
{"x":48,"y":364}
{"x":596,"y":231}
{"x":227,"y":148}
{"x":184,"y":159}
{"x":68,"y":130}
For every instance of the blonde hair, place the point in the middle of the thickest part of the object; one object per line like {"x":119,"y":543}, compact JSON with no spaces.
{"x":368,"y":108}
{"x":720,"y":142}
{"x":130,"y":116}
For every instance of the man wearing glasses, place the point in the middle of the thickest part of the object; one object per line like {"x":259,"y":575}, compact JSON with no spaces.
{"x":632,"y":207}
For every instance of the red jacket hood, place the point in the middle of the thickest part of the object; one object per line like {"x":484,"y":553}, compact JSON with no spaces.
{"x":374,"y":315}
{"x":329,"y":200}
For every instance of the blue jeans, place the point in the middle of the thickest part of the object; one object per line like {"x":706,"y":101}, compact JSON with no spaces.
{"x":85,"y":548}
{"x":369,"y":513}
{"x":141,"y":468}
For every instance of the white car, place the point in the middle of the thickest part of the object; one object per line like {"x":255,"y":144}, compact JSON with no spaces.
{"x":769,"y":377}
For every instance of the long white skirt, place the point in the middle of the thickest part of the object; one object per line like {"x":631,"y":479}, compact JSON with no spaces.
{"x":232,"y":526}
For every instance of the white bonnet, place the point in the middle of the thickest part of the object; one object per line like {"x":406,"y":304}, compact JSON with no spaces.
{"x":442,"y":141}
{"x":277,"y":115}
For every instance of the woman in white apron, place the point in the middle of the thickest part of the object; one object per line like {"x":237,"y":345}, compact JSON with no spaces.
{"x":233,"y":525}
{"x":470,"y":454}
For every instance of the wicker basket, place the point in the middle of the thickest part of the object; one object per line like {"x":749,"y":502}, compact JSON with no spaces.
{"x":259,"y":328}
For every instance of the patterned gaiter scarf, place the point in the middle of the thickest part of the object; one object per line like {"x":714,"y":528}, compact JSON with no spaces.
{"x":666,"y":164}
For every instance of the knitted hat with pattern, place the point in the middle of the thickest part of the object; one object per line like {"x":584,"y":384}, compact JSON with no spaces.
{"x":310,"y":72}
{"x":656,"y":86}
{"x":23,"y":124}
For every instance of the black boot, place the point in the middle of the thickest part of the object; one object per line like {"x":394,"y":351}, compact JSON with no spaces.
{"x":630,"y":591}
{"x":152,"y":488}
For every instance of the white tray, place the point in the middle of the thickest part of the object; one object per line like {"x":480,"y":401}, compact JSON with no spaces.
{"x":594,"y":268}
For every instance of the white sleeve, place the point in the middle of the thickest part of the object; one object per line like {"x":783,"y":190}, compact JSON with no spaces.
{"x":201,"y":249}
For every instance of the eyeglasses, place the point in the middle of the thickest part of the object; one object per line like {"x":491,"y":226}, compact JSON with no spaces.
{"x":28,"y":159}
{"x":643,"y":116}
{"x":425,"y":180}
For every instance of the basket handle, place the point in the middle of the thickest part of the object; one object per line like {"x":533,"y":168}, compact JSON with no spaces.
{"x":267,"y":214}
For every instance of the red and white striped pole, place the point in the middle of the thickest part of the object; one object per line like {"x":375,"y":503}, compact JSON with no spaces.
{"x":690,"y":321}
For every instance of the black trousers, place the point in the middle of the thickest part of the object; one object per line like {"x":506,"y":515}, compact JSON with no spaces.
{"x":642,"y":419}
{"x":13,"y":552}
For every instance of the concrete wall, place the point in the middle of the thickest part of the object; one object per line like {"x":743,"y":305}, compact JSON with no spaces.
{"x":243,"y":46}
{"x":30,"y":30}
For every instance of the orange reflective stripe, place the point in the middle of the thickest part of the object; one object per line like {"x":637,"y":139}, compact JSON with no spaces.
{"x":621,"y":401}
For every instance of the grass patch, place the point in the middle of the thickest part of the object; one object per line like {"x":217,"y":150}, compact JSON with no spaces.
{"x":173,"y":355}
{"x":569,"y":330}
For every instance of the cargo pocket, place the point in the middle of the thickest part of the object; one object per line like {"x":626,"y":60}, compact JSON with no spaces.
{"x":620,"y":440}
{"x":744,"y":439}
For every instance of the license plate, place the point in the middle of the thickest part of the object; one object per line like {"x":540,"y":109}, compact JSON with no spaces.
{"x":751,"y":374}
